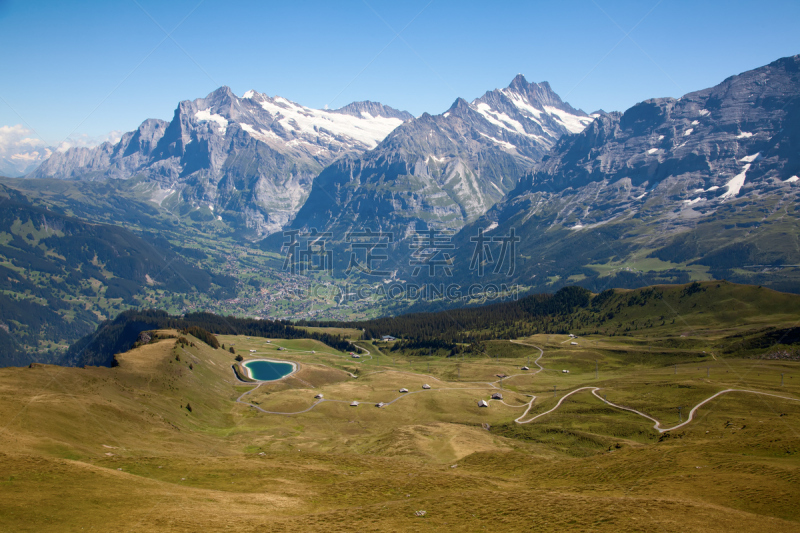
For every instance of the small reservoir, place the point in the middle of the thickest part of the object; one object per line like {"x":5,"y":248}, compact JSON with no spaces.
{"x":268,"y":370}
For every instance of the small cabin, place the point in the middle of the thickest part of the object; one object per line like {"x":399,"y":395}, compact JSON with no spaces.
{"x":573,"y":343}
{"x":565,"y":371}
{"x":379,"y":404}
{"x":269,"y":342}
{"x":525,"y":368}
{"x":355,"y":356}
{"x":483,"y":403}
{"x":387,"y":338}
{"x":426,"y":386}
{"x":354,"y":404}
{"x":251,"y":351}
{"x":318,"y":396}
{"x":497,"y":396}
{"x":403,"y":390}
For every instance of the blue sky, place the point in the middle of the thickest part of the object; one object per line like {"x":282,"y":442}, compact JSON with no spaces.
{"x":84,"y":68}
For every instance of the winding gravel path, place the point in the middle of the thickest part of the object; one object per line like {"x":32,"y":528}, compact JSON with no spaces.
{"x":492,"y":385}
{"x":657,"y":425}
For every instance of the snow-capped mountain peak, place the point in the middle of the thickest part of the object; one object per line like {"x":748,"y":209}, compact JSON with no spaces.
{"x":530,"y":109}
{"x":351,"y":126}
{"x":216,"y":148}
{"x":285,"y":125}
{"x":462,"y":162}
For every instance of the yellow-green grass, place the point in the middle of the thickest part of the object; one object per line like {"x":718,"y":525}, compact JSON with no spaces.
{"x":117,"y":449}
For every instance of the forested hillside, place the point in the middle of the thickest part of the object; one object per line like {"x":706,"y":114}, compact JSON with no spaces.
{"x":756,"y":317}
{"x":61,"y":276}
{"x":119,"y":335}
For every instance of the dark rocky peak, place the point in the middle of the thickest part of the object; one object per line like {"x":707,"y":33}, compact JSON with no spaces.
{"x":460,"y":108}
{"x":538,"y":94}
{"x":597,"y":133}
{"x":220,"y":102}
{"x":519,"y":83}
{"x":374,"y":109}
{"x":223,"y":94}
{"x":145,"y":138}
{"x":648,"y":115}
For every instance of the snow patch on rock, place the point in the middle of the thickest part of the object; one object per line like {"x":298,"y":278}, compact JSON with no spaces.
{"x":205,"y":115}
{"x":736,"y":183}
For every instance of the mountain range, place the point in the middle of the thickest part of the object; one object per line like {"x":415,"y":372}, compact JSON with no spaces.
{"x":248,"y":160}
{"x":251,"y":161}
{"x":669,"y":191}
{"x":700,"y":187}
{"x":441,"y":171}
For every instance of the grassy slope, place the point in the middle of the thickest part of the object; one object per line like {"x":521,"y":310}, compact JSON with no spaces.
{"x":115,"y":448}
{"x":668,"y":322}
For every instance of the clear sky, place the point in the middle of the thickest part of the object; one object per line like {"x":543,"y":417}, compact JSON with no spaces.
{"x":85,"y":68}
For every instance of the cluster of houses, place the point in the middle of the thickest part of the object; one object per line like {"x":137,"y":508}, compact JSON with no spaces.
{"x":481,"y":403}
{"x":495,"y":396}
{"x":355,"y":403}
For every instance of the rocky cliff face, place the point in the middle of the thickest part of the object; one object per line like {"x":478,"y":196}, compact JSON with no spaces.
{"x":718,"y":144}
{"x":445,"y":170}
{"x":250,"y":160}
{"x":702,"y":186}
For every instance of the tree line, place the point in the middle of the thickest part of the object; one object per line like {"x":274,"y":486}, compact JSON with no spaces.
{"x":538,"y":313}
{"x":118,"y":335}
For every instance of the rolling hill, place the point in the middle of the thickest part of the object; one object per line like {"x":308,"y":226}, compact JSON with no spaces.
{"x":169,"y":439}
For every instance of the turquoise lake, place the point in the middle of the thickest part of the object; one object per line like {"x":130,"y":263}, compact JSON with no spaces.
{"x":268,"y":370}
